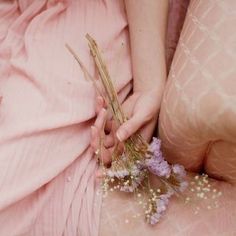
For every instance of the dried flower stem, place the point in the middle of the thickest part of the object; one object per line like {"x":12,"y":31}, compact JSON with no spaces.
{"x":106,"y":80}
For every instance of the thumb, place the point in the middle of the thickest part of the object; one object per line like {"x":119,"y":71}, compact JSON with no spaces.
{"x":132,"y":125}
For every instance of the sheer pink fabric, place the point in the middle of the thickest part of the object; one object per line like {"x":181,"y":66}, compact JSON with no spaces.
{"x":197,"y":119}
{"x":47,"y":184}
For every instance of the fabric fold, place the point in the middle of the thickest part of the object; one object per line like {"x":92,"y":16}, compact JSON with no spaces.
{"x":47,"y":170}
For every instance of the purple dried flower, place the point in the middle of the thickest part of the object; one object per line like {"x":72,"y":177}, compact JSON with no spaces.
{"x":161,"y":206}
{"x":135,"y":170}
{"x":183,"y":186}
{"x":156,"y":164}
{"x":127,"y":188}
{"x":180,"y":174}
{"x":179,"y":170}
{"x":159,"y":168}
{"x":130,"y":187}
{"x":155,"y":148}
{"x":132,"y":183}
{"x":154,"y":218}
{"x":118,"y":174}
{"x":162,"y":202}
{"x":110,"y":173}
{"x":155,"y":144}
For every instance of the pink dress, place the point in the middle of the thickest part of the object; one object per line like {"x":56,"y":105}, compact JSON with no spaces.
{"x":47,"y":183}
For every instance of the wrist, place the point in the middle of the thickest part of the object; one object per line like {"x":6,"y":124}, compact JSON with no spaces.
{"x":152,"y":87}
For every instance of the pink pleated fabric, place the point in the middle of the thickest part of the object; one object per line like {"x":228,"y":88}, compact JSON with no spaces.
{"x":47,"y":183}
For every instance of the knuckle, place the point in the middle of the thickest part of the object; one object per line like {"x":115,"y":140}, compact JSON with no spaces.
{"x":149,"y":115}
{"x":127,"y":129}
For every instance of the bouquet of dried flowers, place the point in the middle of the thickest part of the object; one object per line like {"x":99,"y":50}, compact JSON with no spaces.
{"x":131,"y":169}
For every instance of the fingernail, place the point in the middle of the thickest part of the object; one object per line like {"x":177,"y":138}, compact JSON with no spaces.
{"x":120,"y":135}
{"x":104,"y":110}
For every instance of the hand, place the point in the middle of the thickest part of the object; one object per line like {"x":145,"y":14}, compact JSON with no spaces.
{"x":142,"y":108}
{"x":102,"y":142}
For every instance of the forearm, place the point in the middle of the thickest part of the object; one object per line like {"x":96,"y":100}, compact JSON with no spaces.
{"x":147,"y":24}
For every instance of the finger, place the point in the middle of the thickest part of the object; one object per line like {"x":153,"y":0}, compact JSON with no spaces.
{"x":104,"y":154}
{"x":99,"y":104}
{"x":147,"y":130}
{"x":94,"y":143}
{"x":109,"y":140}
{"x":132,"y":125}
{"x":101,"y":118}
{"x":120,"y":148}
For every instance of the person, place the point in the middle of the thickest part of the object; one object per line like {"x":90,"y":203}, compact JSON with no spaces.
{"x":196,"y":122}
{"x":48,"y":182}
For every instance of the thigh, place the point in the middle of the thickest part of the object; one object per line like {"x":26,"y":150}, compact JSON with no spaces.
{"x":197,"y":120}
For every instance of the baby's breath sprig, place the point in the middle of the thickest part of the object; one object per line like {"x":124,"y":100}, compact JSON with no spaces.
{"x":131,"y":169}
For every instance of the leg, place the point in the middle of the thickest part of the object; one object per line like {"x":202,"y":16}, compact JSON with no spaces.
{"x":197,"y":121}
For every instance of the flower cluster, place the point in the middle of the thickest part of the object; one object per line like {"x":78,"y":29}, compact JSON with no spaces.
{"x":132,"y":174}
{"x":159,"y":207}
{"x":156,"y":163}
